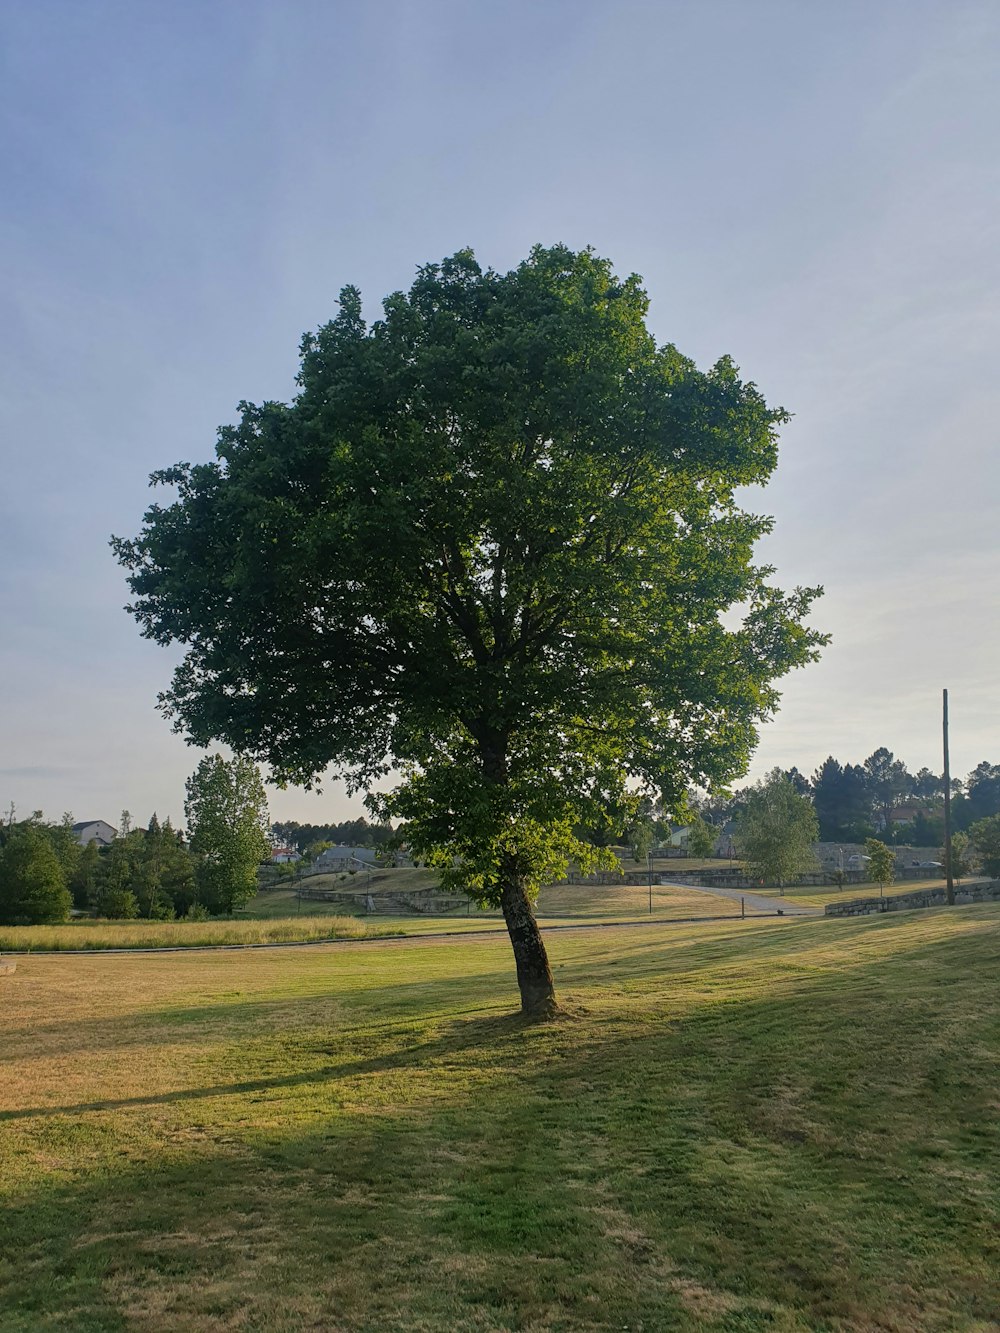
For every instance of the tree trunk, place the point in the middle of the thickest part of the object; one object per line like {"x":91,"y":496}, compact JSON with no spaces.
{"x":534,"y":976}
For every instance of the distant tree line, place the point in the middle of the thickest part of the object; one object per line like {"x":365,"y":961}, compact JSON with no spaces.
{"x":349,"y":833}
{"x":154,"y":873}
{"x":45,"y":872}
{"x":880,"y":797}
{"x":776,"y":827}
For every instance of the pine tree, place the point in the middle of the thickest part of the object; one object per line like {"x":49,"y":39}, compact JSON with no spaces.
{"x":112,"y":895}
{"x":32,"y":883}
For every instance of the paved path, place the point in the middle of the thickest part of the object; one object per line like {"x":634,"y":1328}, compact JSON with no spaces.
{"x":756,"y":902}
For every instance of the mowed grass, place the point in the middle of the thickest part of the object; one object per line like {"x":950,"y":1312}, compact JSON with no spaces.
{"x":587,"y":899}
{"x":604,"y":901}
{"x":611,"y":902}
{"x":631,"y":900}
{"x":819,"y":897}
{"x":288,"y":922}
{"x":739,"y":1126}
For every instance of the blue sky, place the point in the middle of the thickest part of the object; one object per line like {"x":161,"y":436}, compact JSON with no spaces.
{"x":813,"y":189}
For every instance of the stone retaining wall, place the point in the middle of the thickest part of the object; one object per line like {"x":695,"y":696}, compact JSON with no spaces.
{"x":986,"y":891}
{"x":831,"y":855}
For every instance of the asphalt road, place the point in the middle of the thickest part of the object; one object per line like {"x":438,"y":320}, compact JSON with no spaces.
{"x":758,"y":902}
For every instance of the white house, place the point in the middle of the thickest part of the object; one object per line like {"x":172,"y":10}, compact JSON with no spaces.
{"x":282,"y":855}
{"x":94,"y":830}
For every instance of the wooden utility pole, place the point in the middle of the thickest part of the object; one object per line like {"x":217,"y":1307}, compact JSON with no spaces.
{"x":947,"y":805}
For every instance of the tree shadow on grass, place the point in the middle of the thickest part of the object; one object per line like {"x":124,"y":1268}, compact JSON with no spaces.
{"x":298,"y":1021}
{"x":781,"y":1162}
{"x":460,"y":1037}
{"x":448,"y":997}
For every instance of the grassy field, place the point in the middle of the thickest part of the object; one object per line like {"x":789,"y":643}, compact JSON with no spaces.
{"x":405,"y":880}
{"x":630,"y":900}
{"x":739,"y":1126}
{"x":286,"y":922}
{"x":585,"y":900}
{"x":273,"y":900}
{"x":819,"y":897}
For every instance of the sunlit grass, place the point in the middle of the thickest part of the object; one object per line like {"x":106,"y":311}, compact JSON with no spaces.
{"x":741,"y":1126}
{"x":604,"y":901}
{"x":303,"y":923}
{"x":631,"y":900}
{"x":819,"y":897}
{"x":186,"y":934}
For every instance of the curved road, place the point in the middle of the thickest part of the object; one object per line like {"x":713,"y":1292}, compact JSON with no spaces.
{"x":758,"y":902}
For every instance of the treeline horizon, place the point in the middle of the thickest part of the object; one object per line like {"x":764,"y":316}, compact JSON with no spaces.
{"x":852,"y":802}
{"x":149,"y":873}
{"x":857,"y":801}
{"x":349,"y":832}
{"x":158,"y":873}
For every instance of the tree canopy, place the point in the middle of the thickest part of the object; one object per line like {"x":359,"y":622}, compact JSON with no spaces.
{"x":492,"y":545}
{"x":226,"y":812}
{"x":32,"y":881}
{"x":777,"y":829}
{"x":881,"y":862}
{"x":352,"y":832}
{"x":986,"y":840}
{"x":843,"y":800}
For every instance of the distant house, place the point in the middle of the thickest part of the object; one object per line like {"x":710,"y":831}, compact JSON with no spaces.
{"x":94,"y":830}
{"x":281,"y":855}
{"x":346,"y":858}
{"x":723,"y":838}
{"x":906,"y":814}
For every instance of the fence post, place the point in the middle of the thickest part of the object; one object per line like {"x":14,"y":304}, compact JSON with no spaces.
{"x":743,"y":908}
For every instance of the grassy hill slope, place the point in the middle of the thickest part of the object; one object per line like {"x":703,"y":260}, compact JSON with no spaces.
{"x":557,"y":900}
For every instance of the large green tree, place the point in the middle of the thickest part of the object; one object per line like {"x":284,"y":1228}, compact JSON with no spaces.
{"x":176,"y":869}
{"x":154,"y":861}
{"x":777,"y":830}
{"x":65,"y":844}
{"x":982,"y":793}
{"x":113,"y":888}
{"x":492,"y":545}
{"x":226,"y":812}
{"x":888,"y":782}
{"x":84,"y":877}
